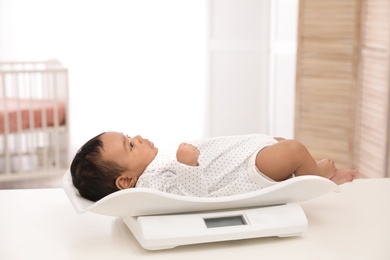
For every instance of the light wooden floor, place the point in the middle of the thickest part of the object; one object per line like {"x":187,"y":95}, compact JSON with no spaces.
{"x":37,"y":183}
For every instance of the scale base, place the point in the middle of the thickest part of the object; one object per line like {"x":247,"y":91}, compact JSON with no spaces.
{"x":169,"y":231}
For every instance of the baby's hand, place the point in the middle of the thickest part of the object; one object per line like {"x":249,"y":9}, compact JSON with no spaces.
{"x":188,"y":154}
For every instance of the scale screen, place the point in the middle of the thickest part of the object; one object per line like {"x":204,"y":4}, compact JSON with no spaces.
{"x":225,"y":221}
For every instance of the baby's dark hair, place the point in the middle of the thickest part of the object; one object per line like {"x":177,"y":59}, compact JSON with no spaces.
{"x":92,"y":175}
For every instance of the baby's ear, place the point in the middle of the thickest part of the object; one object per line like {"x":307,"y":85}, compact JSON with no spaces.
{"x":125,"y":182}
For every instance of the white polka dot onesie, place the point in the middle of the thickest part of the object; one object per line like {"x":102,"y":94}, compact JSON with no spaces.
{"x":222,"y":171}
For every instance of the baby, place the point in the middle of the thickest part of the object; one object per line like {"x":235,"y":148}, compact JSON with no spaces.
{"x":219,"y":166}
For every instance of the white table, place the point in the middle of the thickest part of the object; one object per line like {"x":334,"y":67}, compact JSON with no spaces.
{"x":41,"y":224}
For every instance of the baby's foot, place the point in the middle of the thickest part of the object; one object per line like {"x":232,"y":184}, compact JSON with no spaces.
{"x":326,"y":168}
{"x":344,"y":175}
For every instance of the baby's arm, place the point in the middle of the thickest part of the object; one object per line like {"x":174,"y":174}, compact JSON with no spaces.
{"x":188,"y":154}
{"x":184,"y":176}
{"x":190,"y":180}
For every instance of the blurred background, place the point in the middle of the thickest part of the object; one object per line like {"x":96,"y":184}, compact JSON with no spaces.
{"x":178,"y":70}
{"x":141,"y":66}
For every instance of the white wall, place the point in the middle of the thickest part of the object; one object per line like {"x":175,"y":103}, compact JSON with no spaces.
{"x":282,"y":67}
{"x":238,"y":66}
{"x":251,"y":67}
{"x":136,"y":66}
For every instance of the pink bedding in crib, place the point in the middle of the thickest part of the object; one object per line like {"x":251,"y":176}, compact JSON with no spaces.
{"x":36,"y":106}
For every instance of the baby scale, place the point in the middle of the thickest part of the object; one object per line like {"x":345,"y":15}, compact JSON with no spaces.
{"x":159,"y":220}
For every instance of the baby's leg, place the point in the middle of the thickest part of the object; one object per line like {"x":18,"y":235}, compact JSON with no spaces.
{"x":280,"y":160}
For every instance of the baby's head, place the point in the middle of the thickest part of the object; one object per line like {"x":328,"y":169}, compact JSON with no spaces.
{"x":109,"y":162}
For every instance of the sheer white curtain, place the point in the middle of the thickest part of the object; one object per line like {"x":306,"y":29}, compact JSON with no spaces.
{"x":136,"y":66}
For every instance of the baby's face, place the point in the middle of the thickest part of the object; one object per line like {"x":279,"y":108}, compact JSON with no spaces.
{"x":132,"y":153}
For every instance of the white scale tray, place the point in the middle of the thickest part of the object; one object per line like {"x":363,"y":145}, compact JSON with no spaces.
{"x":160,"y":220}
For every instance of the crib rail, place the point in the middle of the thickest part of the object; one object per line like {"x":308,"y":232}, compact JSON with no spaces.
{"x":33,"y":119}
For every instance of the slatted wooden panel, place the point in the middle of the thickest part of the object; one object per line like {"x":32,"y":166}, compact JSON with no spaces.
{"x":372,"y":131}
{"x":328,"y":39}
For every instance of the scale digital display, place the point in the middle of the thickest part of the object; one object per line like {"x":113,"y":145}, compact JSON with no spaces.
{"x":225,"y":221}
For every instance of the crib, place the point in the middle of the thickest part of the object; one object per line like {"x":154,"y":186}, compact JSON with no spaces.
{"x":34,"y":132}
